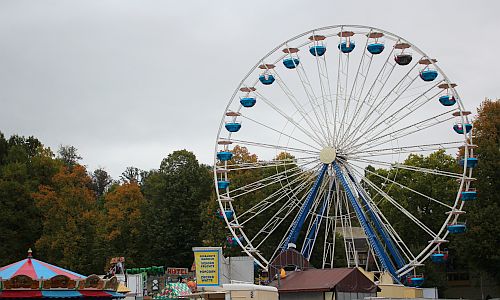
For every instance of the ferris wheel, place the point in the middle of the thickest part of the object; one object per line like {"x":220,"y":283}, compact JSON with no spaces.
{"x":322,"y":112}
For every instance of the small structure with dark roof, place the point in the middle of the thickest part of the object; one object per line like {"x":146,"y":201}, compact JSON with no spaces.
{"x":288,"y":258}
{"x":323,"y":284}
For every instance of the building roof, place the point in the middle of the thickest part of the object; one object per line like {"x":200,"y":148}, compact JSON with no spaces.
{"x":357,"y":233}
{"x":324,"y":280}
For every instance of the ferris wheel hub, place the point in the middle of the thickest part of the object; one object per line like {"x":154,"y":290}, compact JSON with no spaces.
{"x":328,"y":155}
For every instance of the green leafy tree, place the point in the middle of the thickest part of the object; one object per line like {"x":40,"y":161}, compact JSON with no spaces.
{"x":438,"y":187}
{"x":175,"y":194}
{"x":24,"y":164}
{"x":441,"y":188}
{"x":248,"y":173}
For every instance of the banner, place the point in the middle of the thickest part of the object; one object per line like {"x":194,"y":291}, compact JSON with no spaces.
{"x":207,"y":261}
{"x":177,"y":271}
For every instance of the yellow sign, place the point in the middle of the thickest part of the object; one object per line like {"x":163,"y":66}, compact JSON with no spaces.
{"x":207,"y":266}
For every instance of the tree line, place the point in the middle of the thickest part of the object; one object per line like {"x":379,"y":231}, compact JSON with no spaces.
{"x":78,"y":218}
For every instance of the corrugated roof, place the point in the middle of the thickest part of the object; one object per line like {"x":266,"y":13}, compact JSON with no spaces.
{"x":323,"y":280}
{"x":357,"y":233}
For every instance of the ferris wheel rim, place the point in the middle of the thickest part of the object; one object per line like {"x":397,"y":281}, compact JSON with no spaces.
{"x":464,"y":120}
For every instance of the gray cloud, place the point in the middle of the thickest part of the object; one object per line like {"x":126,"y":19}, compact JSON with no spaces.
{"x":127,"y":82}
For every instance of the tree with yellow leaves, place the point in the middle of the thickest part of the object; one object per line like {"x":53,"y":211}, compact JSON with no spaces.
{"x":69,"y":217}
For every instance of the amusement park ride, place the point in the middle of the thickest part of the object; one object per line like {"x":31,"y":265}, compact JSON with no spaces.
{"x":338,"y":99}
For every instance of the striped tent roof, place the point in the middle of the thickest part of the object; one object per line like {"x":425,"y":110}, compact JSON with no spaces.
{"x":59,"y":294}
{"x":35,"y":269}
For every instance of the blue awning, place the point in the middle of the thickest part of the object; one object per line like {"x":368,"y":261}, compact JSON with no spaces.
{"x":61,"y":294}
{"x":115,"y":294}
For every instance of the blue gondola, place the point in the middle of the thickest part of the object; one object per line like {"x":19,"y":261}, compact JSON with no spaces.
{"x":248,"y":101}
{"x":471,"y":162}
{"x":317,"y":50}
{"x":416,"y":280}
{"x":233,"y":126}
{"x":457,"y":228}
{"x":447,"y":100}
{"x":403,"y":59}
{"x":266,"y":79}
{"x":375,"y":48}
{"x":460,"y":129}
{"x":468,"y":195}
{"x":439,"y":257}
{"x":229,"y":214}
{"x":224,"y":155}
{"x":291,"y":63}
{"x":222,"y":184}
{"x":428,"y":75}
{"x":345,"y":48}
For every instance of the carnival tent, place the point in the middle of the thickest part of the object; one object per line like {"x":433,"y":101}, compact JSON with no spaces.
{"x":36,"y":269}
{"x":34,"y":279}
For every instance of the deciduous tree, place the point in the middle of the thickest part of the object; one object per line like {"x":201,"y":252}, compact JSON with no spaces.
{"x":175,"y":194}
{"x":69,"y":217}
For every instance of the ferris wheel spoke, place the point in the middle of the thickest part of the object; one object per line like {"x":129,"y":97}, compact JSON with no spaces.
{"x":405,"y":131}
{"x":408,"y":167}
{"x":344,"y":70}
{"x":270,"y":180}
{"x":317,"y":214}
{"x":326,"y":92}
{"x":373,"y":151}
{"x":411,"y":108}
{"x":300,"y":108}
{"x":274,"y":178}
{"x":267,"y":181}
{"x":273,"y":164}
{"x":284,"y":211}
{"x":362,"y":71}
{"x":404,"y":186}
{"x":364,"y":217}
{"x":276,"y":147}
{"x":293,"y":187}
{"x":398,"y":89}
{"x":330,"y":226}
{"x":277,"y":131}
{"x":414,"y":105}
{"x":398,"y":206}
{"x":373,"y":93}
{"x":290,"y":119}
{"x":396,"y":151}
{"x":382,"y":226}
{"x":309,"y":91}
{"x":263,"y":164}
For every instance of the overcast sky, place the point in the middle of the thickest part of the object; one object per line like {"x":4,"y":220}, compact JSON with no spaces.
{"x":127,"y":82}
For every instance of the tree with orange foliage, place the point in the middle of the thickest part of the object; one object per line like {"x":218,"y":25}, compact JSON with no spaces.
{"x":122,"y":221}
{"x":69,"y":217}
{"x":480,"y":245}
